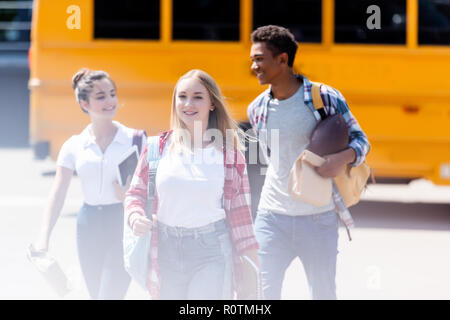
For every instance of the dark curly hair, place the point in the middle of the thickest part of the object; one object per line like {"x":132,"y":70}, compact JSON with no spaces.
{"x":278,"y":40}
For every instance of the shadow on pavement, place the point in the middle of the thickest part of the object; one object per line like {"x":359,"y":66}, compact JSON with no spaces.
{"x":396,"y":215}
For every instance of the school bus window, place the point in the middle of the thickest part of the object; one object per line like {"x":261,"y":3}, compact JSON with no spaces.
{"x":384,"y":26}
{"x":302,"y":17}
{"x":131,"y":19}
{"x":206,"y":20}
{"x":434,"y":22}
{"x":15,"y":20}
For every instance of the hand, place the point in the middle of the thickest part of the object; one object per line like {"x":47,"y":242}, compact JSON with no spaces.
{"x":40,"y":246}
{"x":335,"y":163}
{"x":332,"y":166}
{"x":140,"y":225}
{"x":42,"y":243}
{"x":37,"y":250}
{"x":121,"y":190}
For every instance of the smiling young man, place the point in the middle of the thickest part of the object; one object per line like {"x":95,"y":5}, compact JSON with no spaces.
{"x":287,"y":228}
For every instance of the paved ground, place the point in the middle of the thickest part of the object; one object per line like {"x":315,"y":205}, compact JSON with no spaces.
{"x":399,"y":250}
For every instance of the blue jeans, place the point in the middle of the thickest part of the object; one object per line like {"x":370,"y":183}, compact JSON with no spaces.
{"x":100,"y":251}
{"x":312,"y":238}
{"x":195,"y":263}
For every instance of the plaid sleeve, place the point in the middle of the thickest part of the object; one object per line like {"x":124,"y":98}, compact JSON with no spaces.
{"x":240,"y":219}
{"x":255,"y":110}
{"x":136,"y":196}
{"x":251,"y":114}
{"x":335,"y":102}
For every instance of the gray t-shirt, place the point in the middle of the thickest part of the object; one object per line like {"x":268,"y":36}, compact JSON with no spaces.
{"x":295,"y":122}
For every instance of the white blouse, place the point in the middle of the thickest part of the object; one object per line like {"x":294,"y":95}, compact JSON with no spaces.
{"x":97,"y":170}
{"x":190,"y":188}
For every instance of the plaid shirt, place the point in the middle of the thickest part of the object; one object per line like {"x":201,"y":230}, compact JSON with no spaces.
{"x":236,"y":202}
{"x":333,"y":102}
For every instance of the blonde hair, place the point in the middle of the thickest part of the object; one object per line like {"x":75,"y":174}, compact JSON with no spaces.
{"x":219,"y":118}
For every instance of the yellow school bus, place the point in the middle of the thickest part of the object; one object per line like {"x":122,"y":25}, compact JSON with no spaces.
{"x":390,"y":59}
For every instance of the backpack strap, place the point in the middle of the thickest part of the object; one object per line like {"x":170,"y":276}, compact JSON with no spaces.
{"x":138,"y":135}
{"x":153,"y":157}
{"x":317,"y":99}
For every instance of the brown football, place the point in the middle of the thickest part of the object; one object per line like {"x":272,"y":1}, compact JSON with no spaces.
{"x":329,"y":136}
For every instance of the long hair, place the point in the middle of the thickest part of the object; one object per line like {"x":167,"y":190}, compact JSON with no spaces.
{"x":219,"y":118}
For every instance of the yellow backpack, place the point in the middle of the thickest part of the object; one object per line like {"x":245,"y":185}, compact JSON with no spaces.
{"x":352,"y":181}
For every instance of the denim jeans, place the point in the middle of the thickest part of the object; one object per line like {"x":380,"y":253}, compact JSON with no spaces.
{"x":312,"y":238}
{"x":195,"y":263}
{"x":100,"y":251}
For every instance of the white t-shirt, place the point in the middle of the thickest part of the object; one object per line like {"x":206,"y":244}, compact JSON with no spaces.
{"x":97,"y":170}
{"x":190,"y":188}
{"x":295,"y":123}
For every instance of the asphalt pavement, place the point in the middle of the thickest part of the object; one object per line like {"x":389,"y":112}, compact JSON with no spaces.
{"x":399,"y":249}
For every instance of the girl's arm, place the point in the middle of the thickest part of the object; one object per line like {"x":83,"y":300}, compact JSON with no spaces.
{"x":54,"y":205}
{"x":136,"y":198}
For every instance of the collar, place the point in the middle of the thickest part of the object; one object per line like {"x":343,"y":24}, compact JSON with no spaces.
{"x":120,"y":137}
{"x":297,"y":76}
{"x":307,"y":97}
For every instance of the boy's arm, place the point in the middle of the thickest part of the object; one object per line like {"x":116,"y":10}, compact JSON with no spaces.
{"x":359,"y":145}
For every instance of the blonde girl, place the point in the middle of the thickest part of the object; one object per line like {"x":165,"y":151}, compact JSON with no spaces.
{"x":202,"y":224}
